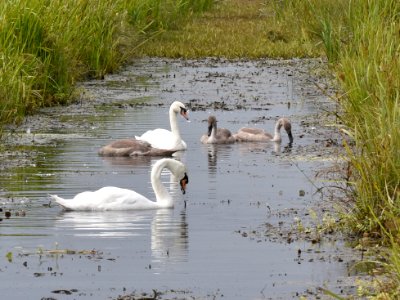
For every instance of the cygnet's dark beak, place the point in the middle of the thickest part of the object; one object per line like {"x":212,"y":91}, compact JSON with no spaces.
{"x":290,"y":137}
{"x":209,"y":129}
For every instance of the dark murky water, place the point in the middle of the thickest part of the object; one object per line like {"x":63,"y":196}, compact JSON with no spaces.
{"x":199,"y":251}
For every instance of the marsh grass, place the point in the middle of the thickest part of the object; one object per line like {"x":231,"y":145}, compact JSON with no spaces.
{"x":362,"y":43}
{"x":234,"y":29}
{"x":47,"y":46}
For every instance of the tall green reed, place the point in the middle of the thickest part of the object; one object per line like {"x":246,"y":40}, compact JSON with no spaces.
{"x":370,"y":72}
{"x":154,"y":15}
{"x":362,"y":43}
{"x":320,"y":21}
{"x":46,"y":46}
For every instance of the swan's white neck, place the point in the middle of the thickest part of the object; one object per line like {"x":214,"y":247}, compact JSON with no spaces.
{"x":174,"y":123}
{"x":162,"y":196}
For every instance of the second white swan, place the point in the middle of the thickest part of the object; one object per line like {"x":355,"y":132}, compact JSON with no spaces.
{"x":163,"y":138}
{"x":114,"y":198}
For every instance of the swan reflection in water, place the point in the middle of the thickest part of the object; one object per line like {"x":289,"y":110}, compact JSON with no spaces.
{"x":268,"y":148}
{"x":137,"y":161}
{"x":217,"y":153}
{"x":168,"y":229}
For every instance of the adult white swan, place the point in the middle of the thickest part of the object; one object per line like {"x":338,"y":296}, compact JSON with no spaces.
{"x":259,"y":135}
{"x":216,"y":135}
{"x":163,"y":138}
{"x":114,"y":198}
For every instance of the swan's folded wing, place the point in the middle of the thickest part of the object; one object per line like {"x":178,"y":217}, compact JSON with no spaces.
{"x":114,"y":198}
{"x":159,"y":138}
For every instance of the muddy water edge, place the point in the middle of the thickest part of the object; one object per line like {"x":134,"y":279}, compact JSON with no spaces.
{"x":249,"y":229}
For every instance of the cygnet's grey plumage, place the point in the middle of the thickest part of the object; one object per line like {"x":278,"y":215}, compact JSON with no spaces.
{"x":132,"y":147}
{"x":259,"y":135}
{"x":216,"y":135}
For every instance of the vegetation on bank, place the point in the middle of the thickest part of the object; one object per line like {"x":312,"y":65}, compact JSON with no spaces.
{"x":235,"y":29}
{"x":47,"y":46}
{"x":362,"y":43}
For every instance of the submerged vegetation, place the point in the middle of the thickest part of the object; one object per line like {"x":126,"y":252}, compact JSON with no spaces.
{"x":43,"y":54}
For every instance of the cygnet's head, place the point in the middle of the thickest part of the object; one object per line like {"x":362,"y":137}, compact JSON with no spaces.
{"x":285,"y":123}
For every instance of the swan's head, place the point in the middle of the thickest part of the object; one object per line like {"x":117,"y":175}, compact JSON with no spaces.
{"x":179,"y":107}
{"x":212,"y":123}
{"x":285,"y":123}
{"x":178,"y":169}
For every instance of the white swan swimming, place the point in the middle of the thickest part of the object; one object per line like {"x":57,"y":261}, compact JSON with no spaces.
{"x":216,"y":135}
{"x":165,"y":139}
{"x":259,"y":135}
{"x":114,"y":198}
{"x":132,"y":147}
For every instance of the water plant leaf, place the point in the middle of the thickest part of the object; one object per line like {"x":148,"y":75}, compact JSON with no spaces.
{"x":9,"y":256}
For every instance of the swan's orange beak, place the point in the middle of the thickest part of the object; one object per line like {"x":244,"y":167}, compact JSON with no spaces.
{"x":184,"y":181}
{"x":184,"y":113}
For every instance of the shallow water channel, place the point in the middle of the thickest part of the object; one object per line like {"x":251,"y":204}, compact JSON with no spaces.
{"x":218,"y":246}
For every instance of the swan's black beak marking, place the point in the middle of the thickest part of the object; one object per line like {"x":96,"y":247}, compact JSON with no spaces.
{"x":184,"y":181}
{"x":184,"y":113}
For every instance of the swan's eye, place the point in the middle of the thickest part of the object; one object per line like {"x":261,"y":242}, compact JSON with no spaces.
{"x":184,"y":113}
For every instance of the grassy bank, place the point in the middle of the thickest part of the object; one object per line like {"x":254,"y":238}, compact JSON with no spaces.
{"x":235,"y":29}
{"x":362,"y":43}
{"x":47,"y":46}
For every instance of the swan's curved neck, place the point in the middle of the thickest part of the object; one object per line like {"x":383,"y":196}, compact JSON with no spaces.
{"x":213,"y":134}
{"x":277,"y":133}
{"x":162,"y":195}
{"x":214,"y":131}
{"x":174,"y":123}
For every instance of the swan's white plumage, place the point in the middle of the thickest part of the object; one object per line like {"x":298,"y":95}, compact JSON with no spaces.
{"x":163,"y":138}
{"x":114,"y":198}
